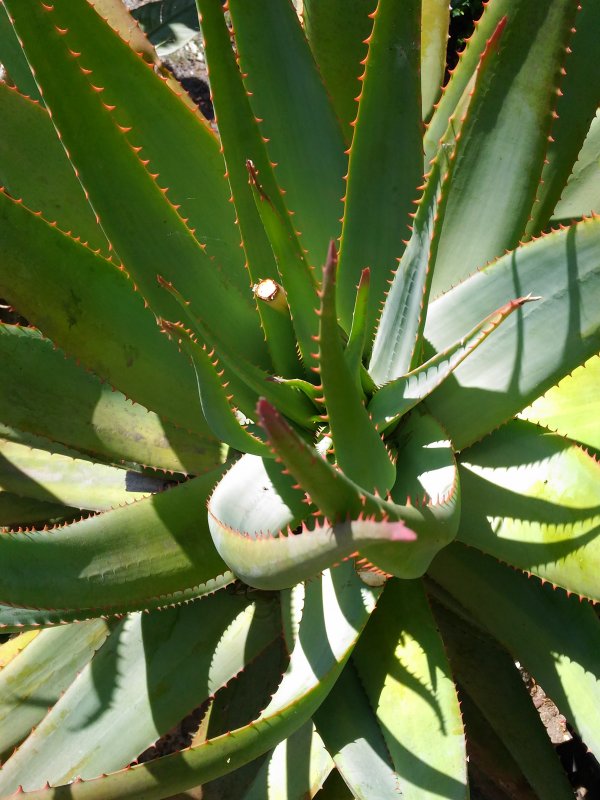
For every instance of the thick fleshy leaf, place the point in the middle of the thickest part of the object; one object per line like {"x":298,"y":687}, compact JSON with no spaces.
{"x":581,"y":195}
{"x":353,"y":737}
{"x":578,"y":100}
{"x":503,"y":141}
{"x":532,"y":499}
{"x":155,"y":668}
{"x":156,"y":550}
{"x":245,"y":380}
{"x":399,"y":345}
{"x":411,"y":672}
{"x":100,"y":320}
{"x":490,"y":763}
{"x":357,"y":339}
{"x":304,"y":136}
{"x":33,"y":164}
{"x":19,"y":511}
{"x":332,"y":612}
{"x":556,"y":638}
{"x":402,"y":317}
{"x":141,"y":203}
{"x":359,"y":449}
{"x":244,"y":527}
{"x":295,"y":273}
{"x":428,"y":476}
{"x":13,"y":59}
{"x":34,"y":680}
{"x":336,"y":32}
{"x":536,"y":347}
{"x":479,"y":663}
{"x":296,"y":768}
{"x":572,"y":407}
{"x":242,"y":143}
{"x":49,"y":395}
{"x":460,"y":79}
{"x":389,"y":112}
{"x":435,"y":18}
{"x":57,"y":476}
{"x":158,"y":117}
{"x":396,"y":398}
{"x":213,"y":396}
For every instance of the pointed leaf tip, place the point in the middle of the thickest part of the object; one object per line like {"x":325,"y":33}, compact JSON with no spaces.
{"x":398,"y":532}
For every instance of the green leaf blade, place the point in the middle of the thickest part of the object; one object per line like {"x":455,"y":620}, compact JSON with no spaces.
{"x":426,"y":742}
{"x":389,"y":112}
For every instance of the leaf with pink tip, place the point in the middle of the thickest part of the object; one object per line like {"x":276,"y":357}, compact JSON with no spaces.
{"x":250,"y":536}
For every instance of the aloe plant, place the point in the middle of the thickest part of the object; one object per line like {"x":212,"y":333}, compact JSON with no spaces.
{"x":305,"y":433}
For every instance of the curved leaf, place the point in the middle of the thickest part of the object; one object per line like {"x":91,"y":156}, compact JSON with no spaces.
{"x":352,"y":735}
{"x":335,"y":609}
{"x":152,"y":671}
{"x":571,"y":407}
{"x":396,"y":398}
{"x":34,"y":680}
{"x":47,"y":394}
{"x":159,"y":549}
{"x":535,"y":347}
{"x":555,"y":637}
{"x":479,"y":663}
{"x":533,"y":500}
{"x":411,"y":672}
